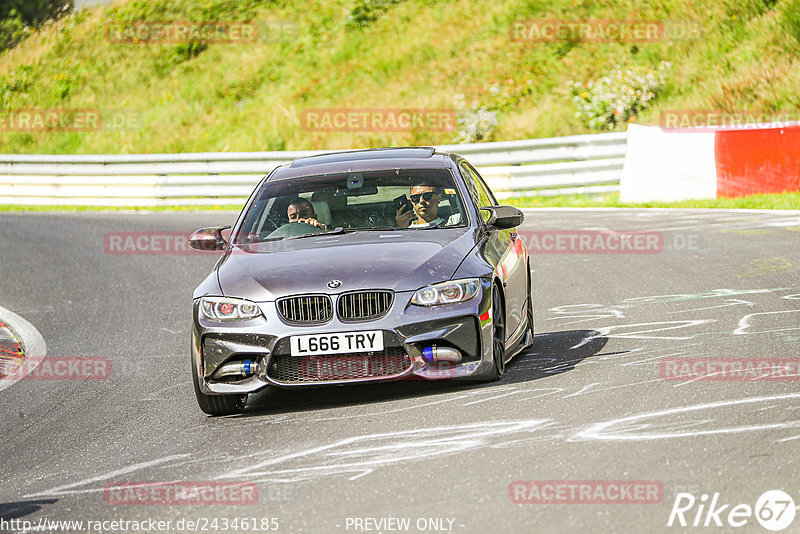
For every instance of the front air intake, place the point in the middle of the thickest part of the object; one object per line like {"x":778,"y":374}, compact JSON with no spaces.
{"x":306,"y":309}
{"x":363,"y":305}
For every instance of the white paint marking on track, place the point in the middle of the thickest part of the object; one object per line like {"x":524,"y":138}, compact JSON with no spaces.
{"x":361,"y":455}
{"x":731,"y":302}
{"x":384,"y":412}
{"x":744,"y":323}
{"x":714,"y":293}
{"x":67,"y":489}
{"x":634,"y":428}
{"x":640,"y":334}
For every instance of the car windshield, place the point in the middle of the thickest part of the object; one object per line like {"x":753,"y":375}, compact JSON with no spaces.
{"x":397,"y":199}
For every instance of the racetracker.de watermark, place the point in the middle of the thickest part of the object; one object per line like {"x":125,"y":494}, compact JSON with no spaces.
{"x":732,"y":369}
{"x":378,"y":120}
{"x":57,"y":368}
{"x":69,"y":120}
{"x":609,"y":241}
{"x":180,"y":493}
{"x":182,"y":31}
{"x":592,"y":242}
{"x":710,"y":120}
{"x":149,"y":244}
{"x":586,"y":492}
{"x":604,"y":31}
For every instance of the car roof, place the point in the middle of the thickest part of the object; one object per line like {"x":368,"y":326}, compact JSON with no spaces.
{"x":373,"y":159}
{"x":370,"y":153}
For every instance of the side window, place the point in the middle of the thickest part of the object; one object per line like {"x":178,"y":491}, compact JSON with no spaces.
{"x":470,"y":183}
{"x":480,"y":194}
{"x":483,"y":189}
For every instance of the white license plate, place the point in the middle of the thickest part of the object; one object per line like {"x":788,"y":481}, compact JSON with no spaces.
{"x":338,"y":343}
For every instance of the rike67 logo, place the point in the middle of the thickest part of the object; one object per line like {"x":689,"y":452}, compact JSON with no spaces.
{"x":774,"y":510}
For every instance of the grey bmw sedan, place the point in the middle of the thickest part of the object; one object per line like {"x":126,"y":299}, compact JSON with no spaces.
{"x":361,"y":266}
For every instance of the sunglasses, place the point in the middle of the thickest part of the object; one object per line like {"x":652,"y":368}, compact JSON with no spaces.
{"x":427,"y":196}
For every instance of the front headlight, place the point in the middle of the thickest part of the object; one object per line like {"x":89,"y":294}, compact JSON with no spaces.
{"x":447,"y":292}
{"x":228,"y":309}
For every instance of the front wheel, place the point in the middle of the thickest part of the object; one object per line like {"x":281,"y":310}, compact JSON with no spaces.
{"x":217,"y":404}
{"x":498,"y":336}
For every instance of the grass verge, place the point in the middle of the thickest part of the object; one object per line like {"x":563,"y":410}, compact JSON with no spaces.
{"x":157,"y":96}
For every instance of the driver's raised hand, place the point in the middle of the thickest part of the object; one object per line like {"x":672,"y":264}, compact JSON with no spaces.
{"x":404,"y":216}
{"x":313,"y":222}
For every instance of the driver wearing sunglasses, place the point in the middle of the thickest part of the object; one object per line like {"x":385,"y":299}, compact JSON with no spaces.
{"x":426,"y":200}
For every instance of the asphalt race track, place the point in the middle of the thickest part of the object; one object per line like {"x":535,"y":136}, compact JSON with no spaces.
{"x":593,"y":400}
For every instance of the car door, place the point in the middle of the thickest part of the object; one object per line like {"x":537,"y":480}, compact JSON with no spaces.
{"x":504,"y":250}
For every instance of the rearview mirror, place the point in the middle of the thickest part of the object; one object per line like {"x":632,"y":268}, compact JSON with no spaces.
{"x":208,"y":238}
{"x":503,"y":217}
{"x":364,"y":190}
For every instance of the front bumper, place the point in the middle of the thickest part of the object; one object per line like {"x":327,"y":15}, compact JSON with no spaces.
{"x":407,"y":329}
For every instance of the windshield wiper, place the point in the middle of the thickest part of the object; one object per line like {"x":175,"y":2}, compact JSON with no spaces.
{"x":430,"y":225}
{"x":376,"y":228}
{"x":254,"y":241}
{"x":337,"y":230}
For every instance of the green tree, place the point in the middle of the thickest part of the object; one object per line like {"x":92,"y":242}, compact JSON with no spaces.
{"x":18,"y":16}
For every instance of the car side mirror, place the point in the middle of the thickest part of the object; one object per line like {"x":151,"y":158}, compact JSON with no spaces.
{"x":208,"y":238}
{"x":503,"y":217}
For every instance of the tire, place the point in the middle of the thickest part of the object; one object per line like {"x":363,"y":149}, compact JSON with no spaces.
{"x":217,"y":404}
{"x":498,"y":336}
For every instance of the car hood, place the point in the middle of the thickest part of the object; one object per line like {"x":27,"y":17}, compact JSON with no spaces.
{"x":396,"y":260}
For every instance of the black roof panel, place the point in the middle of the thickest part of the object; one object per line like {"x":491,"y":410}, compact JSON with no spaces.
{"x":369,"y":154}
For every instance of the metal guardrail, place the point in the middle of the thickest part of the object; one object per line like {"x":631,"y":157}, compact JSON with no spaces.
{"x":560,"y":165}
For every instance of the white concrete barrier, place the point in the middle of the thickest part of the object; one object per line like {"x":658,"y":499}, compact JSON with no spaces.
{"x":666,"y":166}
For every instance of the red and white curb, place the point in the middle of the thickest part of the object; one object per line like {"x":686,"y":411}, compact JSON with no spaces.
{"x":19,"y":340}
{"x":707,"y":163}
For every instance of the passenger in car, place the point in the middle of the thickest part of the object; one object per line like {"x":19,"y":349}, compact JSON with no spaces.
{"x":425,"y":199}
